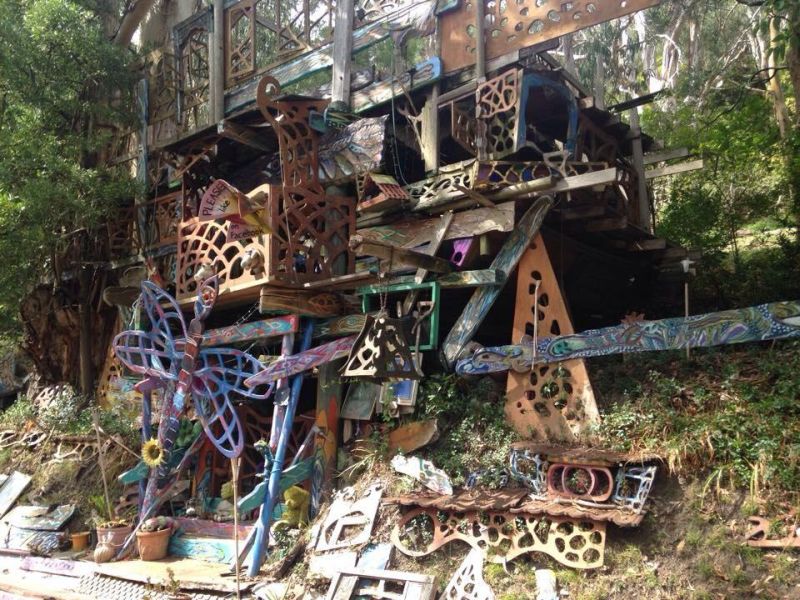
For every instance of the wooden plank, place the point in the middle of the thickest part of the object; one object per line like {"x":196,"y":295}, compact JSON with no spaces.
{"x":517,"y":25}
{"x":298,"y":363}
{"x":265,"y":328}
{"x":218,"y":550}
{"x":582,"y":212}
{"x":674,"y":169}
{"x":610,"y":224}
{"x":647,"y":245}
{"x":775,"y":321}
{"x":340,"y":326}
{"x":56,"y":566}
{"x":342,"y":51}
{"x":664,"y":155}
{"x":416,"y":232}
{"x":482,"y":300}
{"x":246,"y":136}
{"x":464,"y":279}
{"x":422,"y":75}
{"x":329,"y":406}
{"x":11,"y":490}
{"x":436,"y":241}
{"x":396,"y":254}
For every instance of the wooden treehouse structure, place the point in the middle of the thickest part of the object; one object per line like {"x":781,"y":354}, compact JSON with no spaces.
{"x":380,"y":188}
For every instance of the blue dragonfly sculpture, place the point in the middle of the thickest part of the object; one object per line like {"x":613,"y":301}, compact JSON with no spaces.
{"x":169,"y":356}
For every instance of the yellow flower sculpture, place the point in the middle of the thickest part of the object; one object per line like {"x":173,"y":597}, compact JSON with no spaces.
{"x":152,"y":453}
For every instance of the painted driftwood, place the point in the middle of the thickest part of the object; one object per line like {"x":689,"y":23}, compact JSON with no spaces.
{"x":297,"y":363}
{"x":483,"y":298}
{"x":775,"y":321}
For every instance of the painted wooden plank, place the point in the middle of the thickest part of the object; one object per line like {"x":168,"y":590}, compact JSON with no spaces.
{"x":416,"y":232}
{"x":329,"y":407}
{"x":218,"y":550}
{"x":422,"y":75}
{"x":775,"y":321}
{"x":340,"y":326}
{"x":57,"y":566}
{"x":464,"y":279}
{"x":483,"y":298}
{"x":298,"y":363}
{"x":40,"y":518}
{"x":674,"y":169}
{"x":266,"y":328}
{"x":211,"y":528}
{"x":11,"y":490}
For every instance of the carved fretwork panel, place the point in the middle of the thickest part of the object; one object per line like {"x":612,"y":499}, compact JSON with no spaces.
{"x":511,"y":25}
{"x":204,"y":244}
{"x":552,"y":402}
{"x":123,"y":234}
{"x":195,"y":76}
{"x":312,"y":230}
{"x":163,"y":77}
{"x":595,"y":144}
{"x":162,"y":220}
{"x":498,"y":110}
{"x":503,"y":536}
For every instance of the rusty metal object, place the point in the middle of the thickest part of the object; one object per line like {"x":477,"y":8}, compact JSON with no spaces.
{"x":759,"y":529}
{"x":580,"y":481}
{"x":503,"y":536}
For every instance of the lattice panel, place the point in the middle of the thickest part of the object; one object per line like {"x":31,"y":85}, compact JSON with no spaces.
{"x":204,"y":244}
{"x":503,"y":536}
{"x":498,"y":113}
{"x":162,"y":220}
{"x":123,"y":234}
{"x":163,"y":80}
{"x":444,"y":186}
{"x":501,"y":174}
{"x":551,"y":402}
{"x":195,"y":76}
{"x":511,"y":25}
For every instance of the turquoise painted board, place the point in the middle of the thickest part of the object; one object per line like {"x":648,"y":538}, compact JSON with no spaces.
{"x":217,"y":550}
{"x":12,"y":489}
{"x":775,"y":321}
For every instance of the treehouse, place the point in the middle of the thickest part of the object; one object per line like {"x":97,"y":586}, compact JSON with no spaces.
{"x":378,"y":188}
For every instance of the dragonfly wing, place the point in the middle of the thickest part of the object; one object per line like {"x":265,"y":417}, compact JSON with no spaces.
{"x":227,"y":369}
{"x":219,"y":418}
{"x":146,"y":354}
{"x":166,"y":318}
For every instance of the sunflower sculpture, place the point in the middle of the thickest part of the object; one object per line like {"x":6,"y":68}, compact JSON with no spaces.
{"x":152,"y":453}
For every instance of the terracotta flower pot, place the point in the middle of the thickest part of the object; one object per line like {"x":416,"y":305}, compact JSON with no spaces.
{"x":113,"y":536}
{"x":80,"y":540}
{"x":153,"y":545}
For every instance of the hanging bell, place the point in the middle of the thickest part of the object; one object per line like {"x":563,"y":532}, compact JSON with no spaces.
{"x":381,"y":352}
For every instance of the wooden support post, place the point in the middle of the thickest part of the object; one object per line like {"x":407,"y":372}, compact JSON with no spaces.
{"x":674,"y":169}
{"x":506,"y":260}
{"x":645,"y":217}
{"x":552,"y":402}
{"x":85,"y":330}
{"x":329,"y":405}
{"x":217,"y":59}
{"x":363,"y":246}
{"x":342,"y":51}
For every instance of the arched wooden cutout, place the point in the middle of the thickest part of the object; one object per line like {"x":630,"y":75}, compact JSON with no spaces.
{"x":552,"y":402}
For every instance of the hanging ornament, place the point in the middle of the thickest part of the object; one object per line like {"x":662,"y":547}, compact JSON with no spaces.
{"x":381,"y":352}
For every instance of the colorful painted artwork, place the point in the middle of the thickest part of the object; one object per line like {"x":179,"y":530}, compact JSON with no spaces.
{"x":775,"y":321}
{"x":294,"y":364}
{"x":213,"y":378}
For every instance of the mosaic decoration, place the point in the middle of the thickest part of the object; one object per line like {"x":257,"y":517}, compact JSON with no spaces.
{"x":775,"y":321}
{"x":467,"y":582}
{"x":213,"y":377}
{"x":312,"y":230}
{"x":514,"y":25}
{"x":503,"y":536}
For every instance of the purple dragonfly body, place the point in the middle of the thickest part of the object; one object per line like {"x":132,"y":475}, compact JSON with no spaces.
{"x":213,"y":378}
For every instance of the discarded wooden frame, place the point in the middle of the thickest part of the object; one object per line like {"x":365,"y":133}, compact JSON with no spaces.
{"x":381,"y":584}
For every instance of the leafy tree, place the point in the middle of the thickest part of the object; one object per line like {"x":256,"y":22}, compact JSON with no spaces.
{"x":63,"y":82}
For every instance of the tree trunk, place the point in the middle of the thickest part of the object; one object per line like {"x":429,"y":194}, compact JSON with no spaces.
{"x":774,"y":88}
{"x":131,"y":21}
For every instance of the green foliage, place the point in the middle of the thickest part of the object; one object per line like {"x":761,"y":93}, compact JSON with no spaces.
{"x":62,"y":85}
{"x":475,"y":436}
{"x":730,"y":414}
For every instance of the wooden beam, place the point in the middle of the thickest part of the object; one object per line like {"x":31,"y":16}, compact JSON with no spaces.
{"x":246,"y":136}
{"x":342,"y":51}
{"x":582,"y":212}
{"x":436,"y":241}
{"x":674,"y":169}
{"x":647,"y":245}
{"x":610,"y":224}
{"x":645,"y":219}
{"x":662,"y":155}
{"x":362,"y":246}
{"x":465,"y":279}
{"x":265,"y":328}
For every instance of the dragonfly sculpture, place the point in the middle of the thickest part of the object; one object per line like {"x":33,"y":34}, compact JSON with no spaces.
{"x":169,"y":356}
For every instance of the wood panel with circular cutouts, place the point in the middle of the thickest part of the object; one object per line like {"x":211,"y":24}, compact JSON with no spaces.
{"x":552,"y":402}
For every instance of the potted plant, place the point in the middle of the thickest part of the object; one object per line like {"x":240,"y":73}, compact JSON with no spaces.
{"x":152,"y":538}
{"x":111,"y":535}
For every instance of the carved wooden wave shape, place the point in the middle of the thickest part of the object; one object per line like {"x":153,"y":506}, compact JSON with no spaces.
{"x":775,"y":321}
{"x":504,"y":536}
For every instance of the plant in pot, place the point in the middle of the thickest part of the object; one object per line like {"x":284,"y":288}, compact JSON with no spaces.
{"x":111,"y":535}
{"x":152,"y":538}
